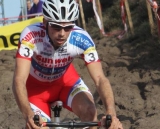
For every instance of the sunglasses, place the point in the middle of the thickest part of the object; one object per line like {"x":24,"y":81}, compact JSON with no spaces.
{"x":59,"y":27}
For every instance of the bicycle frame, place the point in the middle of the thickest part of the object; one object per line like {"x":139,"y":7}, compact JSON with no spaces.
{"x":56,"y":107}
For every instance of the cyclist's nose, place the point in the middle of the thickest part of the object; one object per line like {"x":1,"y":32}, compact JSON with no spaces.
{"x":61,"y":32}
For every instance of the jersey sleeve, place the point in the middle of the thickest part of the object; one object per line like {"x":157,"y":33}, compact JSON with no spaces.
{"x":90,"y":55}
{"x":84,"y":45}
{"x":25,"y":46}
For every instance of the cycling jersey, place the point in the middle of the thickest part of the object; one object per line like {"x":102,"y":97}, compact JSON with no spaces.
{"x":52,"y":76}
{"x":48,"y":64}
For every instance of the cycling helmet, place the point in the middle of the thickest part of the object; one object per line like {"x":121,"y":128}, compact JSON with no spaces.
{"x":60,"y":10}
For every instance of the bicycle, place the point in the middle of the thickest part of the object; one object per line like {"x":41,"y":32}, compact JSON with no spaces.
{"x":56,"y":107}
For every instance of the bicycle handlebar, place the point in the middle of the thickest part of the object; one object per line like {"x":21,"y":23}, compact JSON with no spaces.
{"x":72,"y":124}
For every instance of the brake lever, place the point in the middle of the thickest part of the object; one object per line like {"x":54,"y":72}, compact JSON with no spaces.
{"x":108,"y":121}
{"x":36,"y":120}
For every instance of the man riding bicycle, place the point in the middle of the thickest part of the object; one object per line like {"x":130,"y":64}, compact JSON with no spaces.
{"x":44,"y":72}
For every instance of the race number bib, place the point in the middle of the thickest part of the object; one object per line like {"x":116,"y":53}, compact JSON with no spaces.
{"x":25,"y":51}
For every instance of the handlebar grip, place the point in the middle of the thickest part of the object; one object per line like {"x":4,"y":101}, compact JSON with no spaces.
{"x":36,"y":120}
{"x":108,"y":121}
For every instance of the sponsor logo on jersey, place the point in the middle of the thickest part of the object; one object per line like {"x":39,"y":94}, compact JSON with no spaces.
{"x":62,"y":50}
{"x":39,"y":40}
{"x":63,"y":60}
{"x":34,"y":34}
{"x":48,"y":70}
{"x":48,"y":62}
{"x":49,"y":77}
{"x":44,"y":60}
{"x":77,"y":90}
{"x":80,"y":40}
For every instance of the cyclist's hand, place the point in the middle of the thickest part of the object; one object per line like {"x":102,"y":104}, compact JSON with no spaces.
{"x":115,"y":124}
{"x":30,"y":123}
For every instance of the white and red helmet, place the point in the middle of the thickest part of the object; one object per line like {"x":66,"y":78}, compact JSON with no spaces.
{"x":60,"y":10}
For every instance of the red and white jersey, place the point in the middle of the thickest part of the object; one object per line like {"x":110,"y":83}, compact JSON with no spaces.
{"x":48,"y":64}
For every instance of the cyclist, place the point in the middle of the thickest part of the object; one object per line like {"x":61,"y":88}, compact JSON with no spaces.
{"x":44,"y":72}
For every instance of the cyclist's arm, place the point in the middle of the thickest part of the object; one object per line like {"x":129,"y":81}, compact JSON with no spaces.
{"x":103,"y":87}
{"x":106,"y":94}
{"x":22,"y":69}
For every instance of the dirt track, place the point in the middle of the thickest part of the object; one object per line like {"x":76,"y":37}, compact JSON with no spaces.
{"x":134,"y":75}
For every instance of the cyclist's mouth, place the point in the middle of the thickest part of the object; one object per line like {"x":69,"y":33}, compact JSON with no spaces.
{"x":60,"y":41}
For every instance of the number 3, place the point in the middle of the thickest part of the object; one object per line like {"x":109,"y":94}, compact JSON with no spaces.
{"x":26,"y":55}
{"x":92,"y":57}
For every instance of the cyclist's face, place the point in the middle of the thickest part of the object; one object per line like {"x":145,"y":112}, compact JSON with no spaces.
{"x":59,"y":32}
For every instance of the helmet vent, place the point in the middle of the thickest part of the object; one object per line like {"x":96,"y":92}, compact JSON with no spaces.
{"x":44,"y":11}
{"x":50,"y":1}
{"x":55,"y":10}
{"x":63,"y":12}
{"x":52,"y":7}
{"x":70,"y":1}
{"x":76,"y":14}
{"x":72,"y":6}
{"x":69,"y":18}
{"x":62,"y":1}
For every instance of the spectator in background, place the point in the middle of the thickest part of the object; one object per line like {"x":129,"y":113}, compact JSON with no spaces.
{"x":36,"y":8}
{"x":29,"y":5}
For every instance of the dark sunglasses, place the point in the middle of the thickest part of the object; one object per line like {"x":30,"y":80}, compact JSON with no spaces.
{"x":58,"y":27}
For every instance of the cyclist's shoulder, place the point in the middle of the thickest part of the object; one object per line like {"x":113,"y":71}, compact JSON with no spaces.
{"x":80,"y":30}
{"x":80,"y":37}
{"x":33,"y":31}
{"x":33,"y":28}
{"x":38,"y":25}
{"x":80,"y":33}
